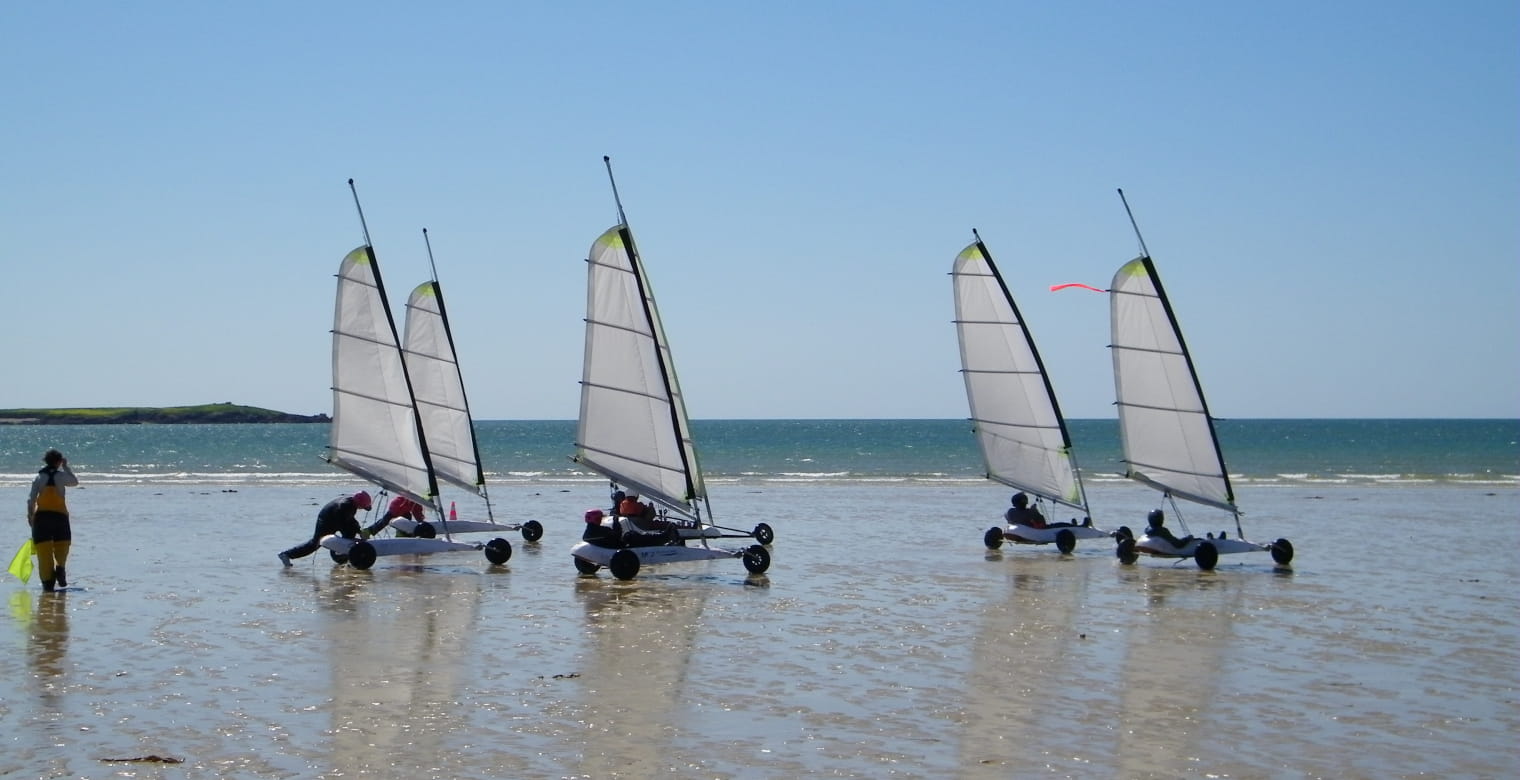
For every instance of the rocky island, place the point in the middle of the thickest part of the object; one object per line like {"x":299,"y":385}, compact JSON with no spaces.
{"x":223,"y":413}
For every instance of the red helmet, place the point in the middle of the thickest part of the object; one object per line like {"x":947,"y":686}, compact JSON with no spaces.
{"x":362,"y":500}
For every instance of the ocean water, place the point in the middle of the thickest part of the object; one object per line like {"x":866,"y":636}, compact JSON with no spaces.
{"x":1268,"y":452}
{"x":885,"y":640}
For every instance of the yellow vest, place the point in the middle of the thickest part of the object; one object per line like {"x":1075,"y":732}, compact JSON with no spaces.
{"x":50,"y":498}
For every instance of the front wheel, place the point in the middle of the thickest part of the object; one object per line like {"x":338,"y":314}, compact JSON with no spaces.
{"x":1206,"y":556}
{"x":1126,"y":550}
{"x":1282,"y":552}
{"x":498,"y":551}
{"x":993,"y":538}
{"x":624,"y":564}
{"x":425,"y":530}
{"x":532,"y":531}
{"x":1066,"y":541}
{"x":763,"y":534}
{"x":584,"y":566}
{"x":757,"y":559}
{"x":361,"y":555}
{"x":338,"y":558}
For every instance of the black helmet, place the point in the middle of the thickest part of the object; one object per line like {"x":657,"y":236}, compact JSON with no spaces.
{"x":1155,"y":517}
{"x":1020,"y":500}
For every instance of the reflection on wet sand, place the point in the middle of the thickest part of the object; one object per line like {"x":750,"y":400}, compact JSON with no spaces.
{"x":1028,"y":670}
{"x":642,"y":634}
{"x":1174,"y":669}
{"x":396,"y":669}
{"x":47,"y":644}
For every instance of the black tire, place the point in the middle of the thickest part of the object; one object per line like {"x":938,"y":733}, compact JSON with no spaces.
{"x":757,"y":559}
{"x":993,"y":538}
{"x":584,"y":566}
{"x":1124,"y":533}
{"x":1066,"y":541}
{"x":338,"y":558}
{"x":1282,"y":552}
{"x":498,"y":551}
{"x":361,"y":555}
{"x":1206,"y":556}
{"x":1126,"y":550}
{"x":425,"y":530}
{"x":532,"y":531}
{"x":763,"y":534}
{"x":624,"y":564}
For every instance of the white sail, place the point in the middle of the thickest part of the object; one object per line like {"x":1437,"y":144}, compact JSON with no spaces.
{"x":438,"y":387}
{"x":1017,"y":421}
{"x":375,"y":430}
{"x":633,"y":425}
{"x":1168,"y":435}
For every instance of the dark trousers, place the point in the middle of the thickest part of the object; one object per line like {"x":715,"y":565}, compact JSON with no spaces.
{"x":347,"y":529}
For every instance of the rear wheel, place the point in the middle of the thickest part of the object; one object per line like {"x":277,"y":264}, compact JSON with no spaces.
{"x":1206,"y":556}
{"x":993,"y":538}
{"x":532,"y":531}
{"x":763,"y":534}
{"x":425,"y":530}
{"x":1126,"y":550}
{"x":338,"y":558}
{"x":624,"y":564}
{"x":1282,"y":552}
{"x":757,"y":559}
{"x":498,"y":551}
{"x":584,"y":566}
{"x":361,"y":555}
{"x":1066,"y":541}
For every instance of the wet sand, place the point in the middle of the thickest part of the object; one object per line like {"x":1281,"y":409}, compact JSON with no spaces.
{"x":886,"y":641}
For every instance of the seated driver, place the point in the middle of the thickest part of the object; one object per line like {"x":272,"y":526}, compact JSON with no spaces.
{"x":1156,"y":526}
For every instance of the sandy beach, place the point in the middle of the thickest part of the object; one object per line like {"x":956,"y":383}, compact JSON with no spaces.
{"x":885,"y":641}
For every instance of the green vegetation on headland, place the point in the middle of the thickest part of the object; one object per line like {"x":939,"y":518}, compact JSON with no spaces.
{"x":117,"y":415}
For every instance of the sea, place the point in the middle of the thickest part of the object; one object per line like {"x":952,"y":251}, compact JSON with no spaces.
{"x":885,"y":641}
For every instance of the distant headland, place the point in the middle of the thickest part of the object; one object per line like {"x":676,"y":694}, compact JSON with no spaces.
{"x":223,"y":413}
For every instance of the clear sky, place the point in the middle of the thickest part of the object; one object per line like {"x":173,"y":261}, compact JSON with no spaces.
{"x":1331,"y":192}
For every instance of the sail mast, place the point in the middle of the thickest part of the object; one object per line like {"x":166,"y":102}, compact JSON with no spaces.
{"x":667,"y":375}
{"x":1050,"y":391}
{"x":369,"y":250}
{"x":1208,"y":418}
{"x":448,"y":333}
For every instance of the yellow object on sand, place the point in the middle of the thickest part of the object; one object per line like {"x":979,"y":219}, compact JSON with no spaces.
{"x":21,"y":565}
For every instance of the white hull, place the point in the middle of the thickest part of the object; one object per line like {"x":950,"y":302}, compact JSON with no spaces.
{"x":648,"y":556}
{"x":1161,"y":548}
{"x":412,"y":546}
{"x":1023,"y":534}
{"x":456,"y":527}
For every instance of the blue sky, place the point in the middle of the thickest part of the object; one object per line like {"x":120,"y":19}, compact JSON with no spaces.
{"x":1330,"y":192}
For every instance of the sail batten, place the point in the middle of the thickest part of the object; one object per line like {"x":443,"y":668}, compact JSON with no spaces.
{"x":1167,"y":432}
{"x":633,"y":425}
{"x":375,"y":432}
{"x":1015,"y":416}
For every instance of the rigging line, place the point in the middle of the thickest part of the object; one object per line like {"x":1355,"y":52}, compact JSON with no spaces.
{"x":362,"y":224}
{"x":431,"y":265}
{"x":607,"y":161}
{"x":1134,"y":224}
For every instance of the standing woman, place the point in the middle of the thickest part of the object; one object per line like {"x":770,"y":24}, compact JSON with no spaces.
{"x":48,"y":515}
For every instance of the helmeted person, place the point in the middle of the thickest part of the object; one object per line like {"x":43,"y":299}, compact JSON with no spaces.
{"x":48,"y":516}
{"x":400,"y":506}
{"x":339,"y":516}
{"x":1021,"y":513}
{"x":1155,"y":525}
{"x":641,"y":521}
